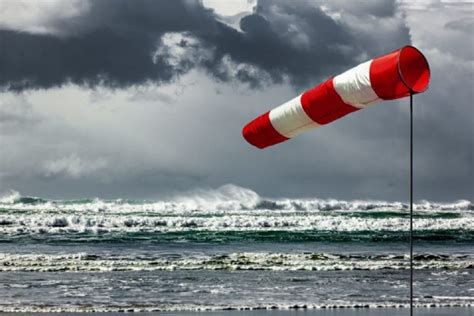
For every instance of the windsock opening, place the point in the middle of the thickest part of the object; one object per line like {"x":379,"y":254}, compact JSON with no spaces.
{"x":399,"y":73}
{"x":414,"y":69}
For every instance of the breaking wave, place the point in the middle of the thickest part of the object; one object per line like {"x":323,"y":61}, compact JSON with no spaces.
{"x":226,"y":198}
{"x":81,"y":262}
{"x":229,"y":213}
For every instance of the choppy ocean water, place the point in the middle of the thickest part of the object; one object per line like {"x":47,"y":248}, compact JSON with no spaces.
{"x":230,"y":249}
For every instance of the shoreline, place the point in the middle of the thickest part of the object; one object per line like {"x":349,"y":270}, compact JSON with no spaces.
{"x":361,"y":311}
{"x":216,"y":309}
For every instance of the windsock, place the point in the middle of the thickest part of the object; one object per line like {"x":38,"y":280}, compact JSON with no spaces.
{"x":391,"y":76}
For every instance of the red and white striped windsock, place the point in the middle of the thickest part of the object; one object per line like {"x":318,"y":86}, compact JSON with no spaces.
{"x":391,"y":76}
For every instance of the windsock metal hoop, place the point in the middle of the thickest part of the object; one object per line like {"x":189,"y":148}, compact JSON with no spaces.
{"x":420,"y":70}
{"x":391,"y":76}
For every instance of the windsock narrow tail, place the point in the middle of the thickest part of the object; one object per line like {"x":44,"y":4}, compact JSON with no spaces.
{"x":391,"y":76}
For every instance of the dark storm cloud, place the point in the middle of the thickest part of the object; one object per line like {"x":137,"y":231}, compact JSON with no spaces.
{"x":285,"y":39}
{"x":113,"y":44}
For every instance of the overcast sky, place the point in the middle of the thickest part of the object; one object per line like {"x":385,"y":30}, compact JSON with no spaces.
{"x":143,"y":99}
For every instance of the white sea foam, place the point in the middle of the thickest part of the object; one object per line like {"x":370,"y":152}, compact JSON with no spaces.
{"x":51,"y":223}
{"x":80,"y":262}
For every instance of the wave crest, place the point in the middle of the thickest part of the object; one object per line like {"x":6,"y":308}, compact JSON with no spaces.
{"x":228,"y":196}
{"x":80,"y":262}
{"x":225,"y":198}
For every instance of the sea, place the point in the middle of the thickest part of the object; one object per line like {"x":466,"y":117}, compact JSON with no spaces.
{"x":231,"y":249}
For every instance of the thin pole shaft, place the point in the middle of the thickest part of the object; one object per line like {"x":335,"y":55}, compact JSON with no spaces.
{"x":411,"y":204}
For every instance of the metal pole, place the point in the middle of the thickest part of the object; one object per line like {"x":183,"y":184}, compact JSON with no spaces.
{"x":411,"y":204}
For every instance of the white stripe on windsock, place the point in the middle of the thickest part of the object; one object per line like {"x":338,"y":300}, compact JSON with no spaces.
{"x":290,"y":119}
{"x":354,"y":87}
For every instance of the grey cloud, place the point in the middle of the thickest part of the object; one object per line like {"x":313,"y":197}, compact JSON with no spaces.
{"x":463,"y":25}
{"x":379,"y":9}
{"x":147,"y":96}
{"x":16,"y":114}
{"x":71,"y":166}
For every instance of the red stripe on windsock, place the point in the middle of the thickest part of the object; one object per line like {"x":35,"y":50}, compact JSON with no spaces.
{"x":261,"y":133}
{"x":384,"y":77}
{"x":323,"y":105}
